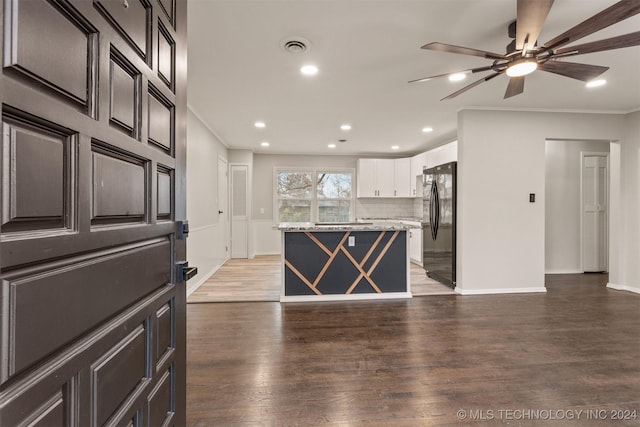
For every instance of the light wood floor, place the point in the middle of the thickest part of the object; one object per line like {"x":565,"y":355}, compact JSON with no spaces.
{"x":258,"y":279}
{"x":440,"y":361}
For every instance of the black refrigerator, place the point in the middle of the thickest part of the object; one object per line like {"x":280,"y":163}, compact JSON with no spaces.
{"x":439,"y":223}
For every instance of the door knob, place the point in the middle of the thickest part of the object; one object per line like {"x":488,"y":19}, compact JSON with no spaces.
{"x":220,"y":212}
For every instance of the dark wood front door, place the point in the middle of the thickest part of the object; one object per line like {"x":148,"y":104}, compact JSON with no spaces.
{"x":92,"y":306}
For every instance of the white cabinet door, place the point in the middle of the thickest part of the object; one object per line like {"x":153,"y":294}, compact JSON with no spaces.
{"x":366,"y":176}
{"x":415,"y":245}
{"x":384,"y":177}
{"x":402,"y":177}
{"x":418,"y":163}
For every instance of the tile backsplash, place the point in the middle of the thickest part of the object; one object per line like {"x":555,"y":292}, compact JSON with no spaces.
{"x":389,"y":208}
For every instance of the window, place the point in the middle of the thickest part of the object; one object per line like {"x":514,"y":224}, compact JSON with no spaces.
{"x":334,"y":196}
{"x":315,"y":195}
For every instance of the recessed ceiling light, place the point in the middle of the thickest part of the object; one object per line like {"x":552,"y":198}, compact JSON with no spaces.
{"x":331,"y":145}
{"x":264,"y":144}
{"x":427,"y":130}
{"x":456,"y":77}
{"x":345,"y":127}
{"x":395,"y":147}
{"x":309,"y":70}
{"x":259,"y":124}
{"x":596,"y":83}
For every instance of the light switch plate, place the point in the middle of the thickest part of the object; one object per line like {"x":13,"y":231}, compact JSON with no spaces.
{"x":352,"y":241}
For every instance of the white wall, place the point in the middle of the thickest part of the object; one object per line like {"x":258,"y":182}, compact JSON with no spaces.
{"x":205,"y":244}
{"x":501,"y":155}
{"x":562,"y":203}
{"x":625,"y":234}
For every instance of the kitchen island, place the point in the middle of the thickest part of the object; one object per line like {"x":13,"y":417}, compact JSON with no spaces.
{"x":344,"y":261}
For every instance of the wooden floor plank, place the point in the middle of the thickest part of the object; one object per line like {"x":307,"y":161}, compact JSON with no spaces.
{"x":258,"y":279}
{"x":419,"y":362}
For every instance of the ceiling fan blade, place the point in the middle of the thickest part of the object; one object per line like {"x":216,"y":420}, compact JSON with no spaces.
{"x":618,"y":12}
{"x":471,"y":70}
{"x":531,"y":17}
{"x":515,"y":87}
{"x":626,"y":40}
{"x":472,"y":85}
{"x":576,"y":71}
{"x":449,"y":48}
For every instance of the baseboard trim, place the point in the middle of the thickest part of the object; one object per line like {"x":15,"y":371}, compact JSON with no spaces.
{"x":191,"y":289}
{"x":341,"y":297}
{"x":564,"y":272}
{"x":634,"y":289}
{"x":268,"y":253}
{"x":499,"y":291}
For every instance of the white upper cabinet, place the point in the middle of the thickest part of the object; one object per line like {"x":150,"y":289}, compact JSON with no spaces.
{"x":377,"y":178}
{"x":402,"y":177}
{"x":418,"y":162}
{"x":384,"y":177}
{"x":366,"y":179}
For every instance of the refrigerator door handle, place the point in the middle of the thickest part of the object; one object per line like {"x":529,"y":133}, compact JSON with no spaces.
{"x":437,"y":199}
{"x":434,"y":212}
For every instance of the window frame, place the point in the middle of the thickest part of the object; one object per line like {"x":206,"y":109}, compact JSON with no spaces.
{"x":314,"y":190}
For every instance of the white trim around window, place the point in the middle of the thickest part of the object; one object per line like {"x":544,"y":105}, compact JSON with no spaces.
{"x":301,"y":197}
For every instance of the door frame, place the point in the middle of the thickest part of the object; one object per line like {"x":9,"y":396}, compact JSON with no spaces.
{"x":583,"y":155}
{"x":225,"y":225}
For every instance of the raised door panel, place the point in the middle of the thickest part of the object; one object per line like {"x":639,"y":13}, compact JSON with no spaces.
{"x":160,"y":121}
{"x":385,"y":176}
{"x":113,"y":202}
{"x":168,"y":7}
{"x":38,"y":31}
{"x":160,"y":404}
{"x":165,"y":194}
{"x":41,"y":318}
{"x":166,"y":56}
{"x":117,"y":375}
{"x":132,"y":19}
{"x":37,"y":174}
{"x":125,"y":85}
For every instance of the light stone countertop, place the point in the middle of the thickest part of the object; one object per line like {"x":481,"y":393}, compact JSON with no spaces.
{"x":344,"y":226}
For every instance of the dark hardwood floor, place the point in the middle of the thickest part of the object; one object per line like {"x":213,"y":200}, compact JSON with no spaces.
{"x":567,"y":357}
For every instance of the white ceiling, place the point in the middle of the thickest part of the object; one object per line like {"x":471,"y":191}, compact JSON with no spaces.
{"x":367,"y":51}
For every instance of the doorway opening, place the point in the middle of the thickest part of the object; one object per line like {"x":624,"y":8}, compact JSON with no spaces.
{"x":577,"y":188}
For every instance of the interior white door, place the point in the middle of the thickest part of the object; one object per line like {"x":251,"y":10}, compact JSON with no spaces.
{"x":595,"y":197}
{"x":223,"y":204}
{"x":239,"y":211}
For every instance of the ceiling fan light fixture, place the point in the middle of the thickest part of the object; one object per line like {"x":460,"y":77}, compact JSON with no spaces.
{"x":522,"y":67}
{"x":596,"y":83}
{"x":456,"y":77}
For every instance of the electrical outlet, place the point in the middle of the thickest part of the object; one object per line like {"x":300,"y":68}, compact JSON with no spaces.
{"x":532,"y":197}
{"x":352,"y":241}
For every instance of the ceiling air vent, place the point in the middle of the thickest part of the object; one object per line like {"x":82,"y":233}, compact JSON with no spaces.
{"x":295,"y":45}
